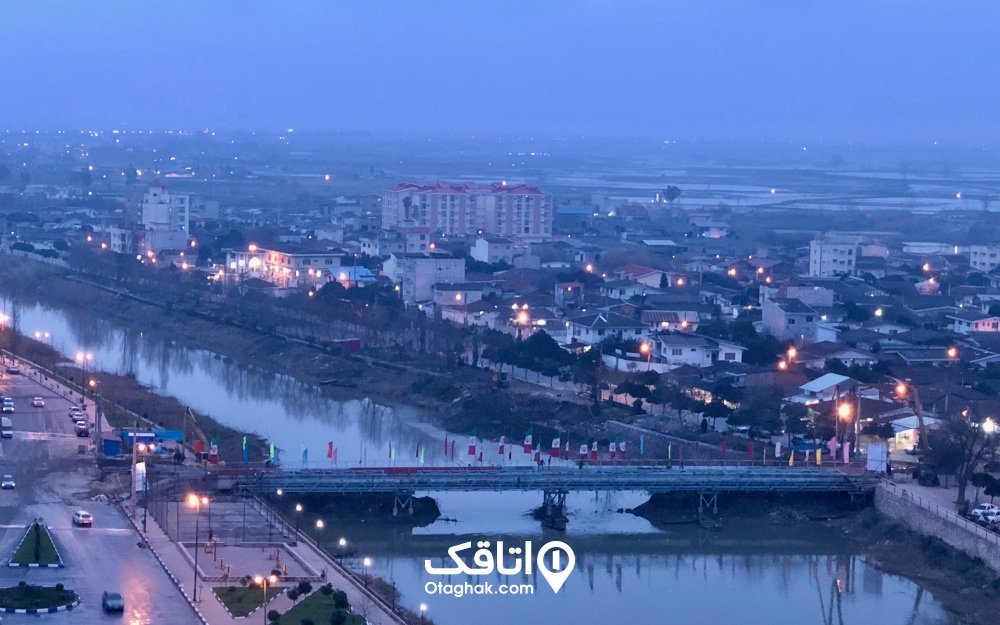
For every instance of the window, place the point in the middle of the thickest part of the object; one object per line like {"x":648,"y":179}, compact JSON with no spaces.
{"x":809,"y":319}
{"x":729,"y":356}
{"x":676,"y":351}
{"x":791,"y":322}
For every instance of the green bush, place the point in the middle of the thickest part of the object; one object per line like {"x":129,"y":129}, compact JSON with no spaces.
{"x":340,"y":600}
{"x":273,"y":615}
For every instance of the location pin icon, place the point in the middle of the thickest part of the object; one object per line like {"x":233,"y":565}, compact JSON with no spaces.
{"x":554,"y":571}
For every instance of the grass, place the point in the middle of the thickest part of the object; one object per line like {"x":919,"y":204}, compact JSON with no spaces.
{"x":241,"y":601}
{"x":317,"y":607}
{"x":25,"y":554}
{"x":26,"y":596}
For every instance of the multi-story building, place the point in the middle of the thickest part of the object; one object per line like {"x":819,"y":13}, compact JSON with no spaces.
{"x":468,"y":209}
{"x":166,"y":214}
{"x":832,"y":257}
{"x":416,"y":274}
{"x":285,"y":266}
{"x":984,"y":258}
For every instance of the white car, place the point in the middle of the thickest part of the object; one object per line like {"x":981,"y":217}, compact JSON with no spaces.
{"x":82,"y":517}
{"x":8,"y":407}
{"x":8,"y":482}
{"x":38,"y":402}
{"x":980,"y":511}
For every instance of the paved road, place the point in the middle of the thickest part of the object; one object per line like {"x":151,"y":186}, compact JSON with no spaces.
{"x":53,"y":480}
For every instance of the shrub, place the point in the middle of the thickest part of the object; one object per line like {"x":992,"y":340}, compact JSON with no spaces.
{"x":338,"y":618}
{"x":327,"y":590}
{"x":293,"y":594}
{"x":22,"y":584}
{"x":304,"y":588}
{"x":60,"y":587}
{"x":340,"y":600}
{"x":273,"y":615}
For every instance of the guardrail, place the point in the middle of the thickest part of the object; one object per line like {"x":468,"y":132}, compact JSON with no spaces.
{"x":943,"y":513}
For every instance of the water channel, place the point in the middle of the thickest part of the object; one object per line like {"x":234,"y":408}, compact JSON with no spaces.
{"x":626,"y":571}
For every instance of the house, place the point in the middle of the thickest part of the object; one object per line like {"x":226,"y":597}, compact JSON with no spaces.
{"x":626,"y":289}
{"x":593,"y":328}
{"x":789,"y":319}
{"x":350,"y":277}
{"x":416,"y":274}
{"x":645,"y":275}
{"x":694,"y":350}
{"x":567,"y":293}
{"x":824,"y":388}
{"x":966,"y":321}
{"x":815,"y":355}
{"x":493,"y":250}
{"x":710,"y":229}
{"x":284,"y":265}
{"x":478,"y":313}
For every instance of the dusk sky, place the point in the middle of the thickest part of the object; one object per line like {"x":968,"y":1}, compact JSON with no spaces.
{"x":794,"y":70}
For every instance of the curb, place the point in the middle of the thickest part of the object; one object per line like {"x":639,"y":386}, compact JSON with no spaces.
{"x":166,"y":569}
{"x":68,"y":606}
{"x":33,"y":565}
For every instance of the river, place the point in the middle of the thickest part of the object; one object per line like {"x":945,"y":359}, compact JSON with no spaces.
{"x":626,"y":570}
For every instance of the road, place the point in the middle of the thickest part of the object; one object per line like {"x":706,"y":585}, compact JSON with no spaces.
{"x":53,"y":480}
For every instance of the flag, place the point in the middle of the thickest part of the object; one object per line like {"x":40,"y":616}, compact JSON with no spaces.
{"x":538,"y":455}
{"x":670,"y":451}
{"x":819,"y":457}
{"x":583,"y":451}
{"x":480,"y":456}
{"x":566,"y":451}
{"x":416,"y":453}
{"x":272,"y":455}
{"x":329,"y":449}
{"x":750,"y":449}
{"x":556,"y":446}
{"x":593,"y":451}
{"x":334,"y":455}
{"x":246,"y":451}
{"x":305,"y":455}
{"x":392,"y":453}
{"x":213,"y":452}
{"x":452,"y":449}
{"x":502,"y":442}
{"x":642,"y":444}
{"x":621,"y":449}
{"x":613,"y":447}
{"x":777,"y":449}
{"x":847,"y":454}
{"x":832,"y":446}
{"x":723,"y":447}
{"x":791,"y":458}
{"x":527,"y":442}
{"x":421,"y":455}
{"x":446,"y":445}
{"x":472,"y":443}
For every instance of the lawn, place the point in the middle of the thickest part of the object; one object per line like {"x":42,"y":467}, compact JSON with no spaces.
{"x":319,"y":608}
{"x":26,"y":596}
{"x":241,"y":601}
{"x":46,"y":551}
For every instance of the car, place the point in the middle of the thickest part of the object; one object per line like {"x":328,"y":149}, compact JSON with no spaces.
{"x":14,"y":370}
{"x":7,"y":482}
{"x":112,"y":602}
{"x":980,"y":511}
{"x":82,"y":517}
{"x":38,"y":402}
{"x":8,"y":407}
{"x":912,"y":451}
{"x":82,"y":431}
{"x":77,"y":415}
{"x":990,"y":518}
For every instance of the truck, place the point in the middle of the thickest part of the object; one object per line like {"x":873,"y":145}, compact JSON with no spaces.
{"x":6,"y":428}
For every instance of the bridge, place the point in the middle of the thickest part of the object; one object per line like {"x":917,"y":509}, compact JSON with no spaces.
{"x":708,"y":480}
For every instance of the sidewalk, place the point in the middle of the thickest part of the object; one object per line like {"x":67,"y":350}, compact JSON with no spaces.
{"x":181,"y":570}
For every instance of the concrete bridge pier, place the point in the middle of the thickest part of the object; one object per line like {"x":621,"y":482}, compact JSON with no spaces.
{"x":708,"y":501}
{"x":554,"y":513}
{"x":402,"y":501}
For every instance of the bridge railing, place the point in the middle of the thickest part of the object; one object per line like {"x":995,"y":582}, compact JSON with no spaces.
{"x":943,"y":513}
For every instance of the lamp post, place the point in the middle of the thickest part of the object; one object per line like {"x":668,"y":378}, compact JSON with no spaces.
{"x":263,"y":582}
{"x":844,"y":413}
{"x":423,"y":610}
{"x":298,"y":513}
{"x":194,"y":501}
{"x":83,"y":358}
{"x":367,"y":562}
{"x":342,"y":543}
{"x":644,"y":348}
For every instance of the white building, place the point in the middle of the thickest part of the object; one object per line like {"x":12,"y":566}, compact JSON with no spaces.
{"x":416,"y":274}
{"x":698,"y":351}
{"x":493,"y":250}
{"x":594,"y":328}
{"x":967,"y":321}
{"x":164,"y":211}
{"x":789,"y":319}
{"x":831,"y":257}
{"x":984,"y":258}
{"x":285,"y":266}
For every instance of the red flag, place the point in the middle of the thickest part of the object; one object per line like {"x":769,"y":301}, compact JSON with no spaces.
{"x":528,"y":442}
{"x":621,"y":449}
{"x":452,"y":449}
{"x":472,"y":445}
{"x":538,"y":455}
{"x":554,"y":451}
{"x":583,"y":452}
{"x":480,"y":456}
{"x":593,"y":451}
{"x":723,"y":449}
{"x":750,"y":449}
{"x":446,"y":445}
{"x":334,"y":455}
{"x":612,"y":448}
{"x":502,"y":442}
{"x":329,"y":449}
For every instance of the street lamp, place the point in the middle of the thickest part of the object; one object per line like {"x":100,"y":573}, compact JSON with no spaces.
{"x":194,"y":501}
{"x":423,"y":610}
{"x":952,"y":352}
{"x":367,"y":562}
{"x":298,"y":514}
{"x":320,"y":524}
{"x":83,"y":358}
{"x":792,"y":353}
{"x":645,"y":348}
{"x":264,"y":582}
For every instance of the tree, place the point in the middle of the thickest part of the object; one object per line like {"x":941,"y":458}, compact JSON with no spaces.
{"x":664,"y":283}
{"x":304,"y":588}
{"x":994,"y":310}
{"x":961,"y":447}
{"x":340,"y":600}
{"x":131,"y":174}
{"x":794,"y":417}
{"x":671,"y":193}
{"x":273,"y":615}
{"x":61,"y":245}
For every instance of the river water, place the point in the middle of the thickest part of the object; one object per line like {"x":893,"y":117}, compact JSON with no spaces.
{"x":626,"y":570}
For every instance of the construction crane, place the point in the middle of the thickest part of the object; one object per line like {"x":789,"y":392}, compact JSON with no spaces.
{"x":925,"y":473}
{"x":189,"y":416}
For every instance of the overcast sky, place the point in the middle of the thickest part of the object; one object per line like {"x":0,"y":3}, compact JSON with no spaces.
{"x":874,"y":70}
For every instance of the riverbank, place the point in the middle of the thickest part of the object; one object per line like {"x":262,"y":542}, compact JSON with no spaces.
{"x":459,"y":399}
{"x":964,"y":585}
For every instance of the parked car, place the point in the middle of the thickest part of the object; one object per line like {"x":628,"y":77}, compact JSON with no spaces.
{"x":38,"y":402}
{"x":112,"y":602}
{"x":912,"y":451}
{"x":8,"y":406}
{"x":81,"y":429}
{"x":82,"y":517}
{"x":980,"y":511}
{"x":14,"y":370}
{"x":990,"y":518}
{"x":7,"y":482}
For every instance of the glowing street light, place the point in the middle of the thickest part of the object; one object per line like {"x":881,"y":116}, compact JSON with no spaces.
{"x":927,"y":267}
{"x":252,"y":247}
{"x":952,"y":352}
{"x":732,"y":272}
{"x":423,"y":610}
{"x":989,"y":426}
{"x":901,"y":390}
{"x":782,"y":365}
{"x":194,"y":501}
{"x":844,"y":411}
{"x":792,"y":353}
{"x":647,"y":349}
{"x":367,"y":562}
{"x":878,"y":312}
{"x":264,"y":582}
